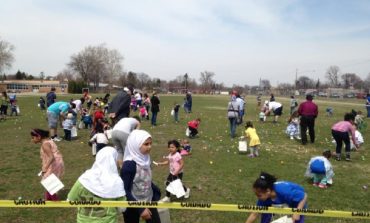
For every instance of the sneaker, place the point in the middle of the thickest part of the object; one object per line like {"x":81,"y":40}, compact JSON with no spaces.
{"x":298,"y":137}
{"x":348,"y":158}
{"x":315,"y":184}
{"x":187,"y":193}
{"x":56,"y":139}
{"x":165,"y":199}
{"x":291,"y":137}
{"x":323,"y":186}
{"x":337,"y":158}
{"x":251,"y":155}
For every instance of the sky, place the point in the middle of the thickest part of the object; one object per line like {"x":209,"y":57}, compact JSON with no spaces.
{"x":240,"y":41}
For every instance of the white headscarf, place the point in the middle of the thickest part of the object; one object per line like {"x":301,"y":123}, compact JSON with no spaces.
{"x":132,"y":150}
{"x":103,"y":179}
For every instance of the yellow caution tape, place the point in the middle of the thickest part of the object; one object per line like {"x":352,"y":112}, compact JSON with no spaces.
{"x":184,"y":206}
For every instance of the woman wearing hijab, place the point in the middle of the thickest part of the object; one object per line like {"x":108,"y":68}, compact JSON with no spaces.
{"x":233,"y":110}
{"x":99,"y":183}
{"x":137,"y":177}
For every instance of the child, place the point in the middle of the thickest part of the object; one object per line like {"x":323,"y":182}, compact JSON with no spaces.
{"x":86,"y":118}
{"x":100,"y":183}
{"x":254,"y":140}
{"x":67,"y":126}
{"x":262,"y":116}
{"x":271,"y":192}
{"x":143,"y":112}
{"x":186,"y":148}
{"x":13,"y":108}
{"x":176,"y":168}
{"x":100,"y":138}
{"x":340,"y":132}
{"x":176,"y":108}
{"x":193,"y":127}
{"x":329,"y":111}
{"x":292,"y":129}
{"x":359,"y":121}
{"x":42,"y":103}
{"x":137,"y":177}
{"x":52,"y":159}
{"x":320,"y":169}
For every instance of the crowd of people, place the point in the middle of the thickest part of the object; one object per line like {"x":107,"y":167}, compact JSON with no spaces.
{"x":124,"y":172}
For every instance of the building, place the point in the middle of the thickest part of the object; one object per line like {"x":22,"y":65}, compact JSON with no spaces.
{"x":23,"y":86}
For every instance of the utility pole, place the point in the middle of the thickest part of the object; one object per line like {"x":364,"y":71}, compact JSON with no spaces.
{"x":186,"y":82}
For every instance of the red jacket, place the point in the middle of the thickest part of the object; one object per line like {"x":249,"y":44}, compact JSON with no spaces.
{"x":194,"y":124}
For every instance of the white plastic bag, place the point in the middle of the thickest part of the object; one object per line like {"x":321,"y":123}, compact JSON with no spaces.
{"x":52,"y":184}
{"x":74,"y":132}
{"x":18,"y":110}
{"x":81,"y":125}
{"x":176,"y":188}
{"x":283,"y":219}
{"x":243,"y":146}
{"x":172,"y":112}
{"x":93,"y":149}
{"x":187,"y":132}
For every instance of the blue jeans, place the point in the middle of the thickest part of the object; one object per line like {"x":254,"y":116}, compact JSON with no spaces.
{"x":368,"y":110}
{"x":232,"y":126}
{"x":154,"y":118}
{"x":176,"y":116}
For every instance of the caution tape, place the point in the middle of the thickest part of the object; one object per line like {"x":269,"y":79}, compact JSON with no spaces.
{"x":184,"y":206}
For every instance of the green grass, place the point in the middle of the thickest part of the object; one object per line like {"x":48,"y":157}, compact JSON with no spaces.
{"x":228,"y":180}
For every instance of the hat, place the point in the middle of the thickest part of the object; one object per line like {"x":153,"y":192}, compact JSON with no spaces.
{"x":70,"y":116}
{"x":126,"y":89}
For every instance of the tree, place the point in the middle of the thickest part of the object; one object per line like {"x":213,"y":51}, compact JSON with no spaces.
{"x":97,"y":63}
{"x":206,"y":80}
{"x":332,"y":74}
{"x":6,"y":55}
{"x":132,"y":78}
{"x":367,"y":83}
{"x":265,"y":85}
{"x":122,"y":79}
{"x":20,"y":75}
{"x":305,"y":82}
{"x":65,"y":74}
{"x":351,"y":80}
{"x":142,"y":80}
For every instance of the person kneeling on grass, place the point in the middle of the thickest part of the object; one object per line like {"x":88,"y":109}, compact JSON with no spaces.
{"x":320,"y":169}
{"x":193,"y":127}
{"x":271,"y":192}
{"x":100,"y":183}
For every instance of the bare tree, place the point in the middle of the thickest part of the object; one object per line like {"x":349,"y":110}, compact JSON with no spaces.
{"x":351,"y":80}
{"x":332,"y":74}
{"x":113,"y":66}
{"x":265,"y":85}
{"x":132,"y":78}
{"x":65,"y":74}
{"x":206,"y":80}
{"x":305,"y":82}
{"x":6,"y":55}
{"x":142,"y":80}
{"x":367,"y":83}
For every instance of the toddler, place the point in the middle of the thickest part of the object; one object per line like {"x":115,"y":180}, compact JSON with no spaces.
{"x":320,"y":169}
{"x":329,"y":111}
{"x":42,"y":103}
{"x":292,"y":129}
{"x":86,"y":118}
{"x":254,"y":140}
{"x":186,"y":148}
{"x":67,"y":126}
{"x":358,"y":138}
{"x":176,"y":108}
{"x":193,"y":127}
{"x":176,"y":163}
{"x":13,"y":108}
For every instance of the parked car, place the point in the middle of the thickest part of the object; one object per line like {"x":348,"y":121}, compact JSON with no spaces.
{"x":335,"y":95}
{"x":349,"y":95}
{"x":323,"y":94}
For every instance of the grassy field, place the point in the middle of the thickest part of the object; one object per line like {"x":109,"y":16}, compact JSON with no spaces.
{"x":227,"y":179}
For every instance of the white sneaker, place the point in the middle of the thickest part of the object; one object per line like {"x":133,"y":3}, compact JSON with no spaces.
{"x":291,"y":137}
{"x":165,"y":199}
{"x":56,"y":139}
{"x":298,"y":137}
{"x":187,"y":193}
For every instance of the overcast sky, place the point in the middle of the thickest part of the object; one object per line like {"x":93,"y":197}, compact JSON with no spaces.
{"x":240,"y":41}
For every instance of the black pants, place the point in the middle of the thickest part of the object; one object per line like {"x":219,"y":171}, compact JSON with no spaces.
{"x":339,"y":138}
{"x":193,"y":132}
{"x":132,"y":215}
{"x":307,"y":122}
{"x":67,"y":134}
{"x":100,"y":146}
{"x":171,"y":178}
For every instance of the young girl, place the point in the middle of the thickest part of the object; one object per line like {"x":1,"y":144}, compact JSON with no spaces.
{"x":137,"y":177}
{"x":67,"y":127}
{"x":176,"y":167}
{"x":100,"y":138}
{"x":186,"y":148}
{"x":100,"y":183}
{"x":340,"y":132}
{"x":143,"y":112}
{"x":320,"y":169}
{"x":52,"y":159}
{"x":271,"y":192}
{"x":176,"y":108}
{"x":292,"y":129}
{"x":254,"y":140}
